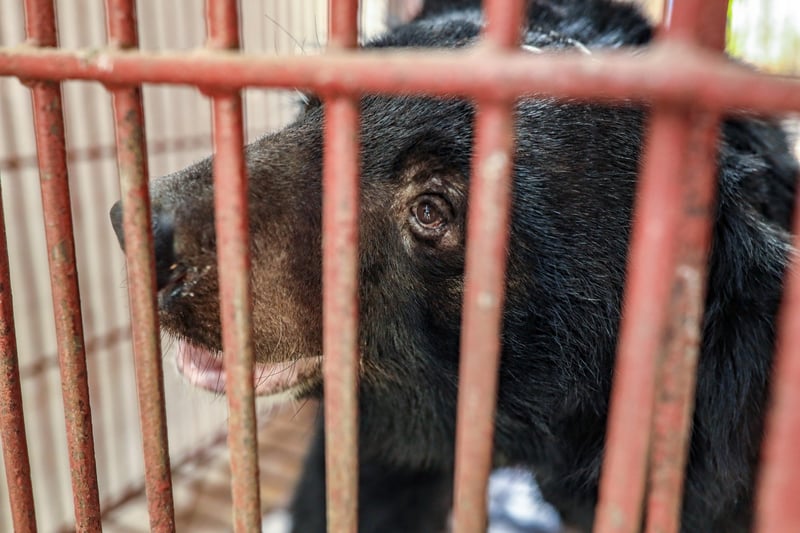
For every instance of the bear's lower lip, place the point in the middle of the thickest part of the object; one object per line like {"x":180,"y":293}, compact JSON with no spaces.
{"x":204,"y":368}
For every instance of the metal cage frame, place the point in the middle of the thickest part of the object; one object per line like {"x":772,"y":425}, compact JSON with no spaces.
{"x":682,"y":76}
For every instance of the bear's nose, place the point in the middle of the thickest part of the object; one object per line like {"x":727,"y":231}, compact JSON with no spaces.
{"x":116,"y":222}
{"x":163,"y":241}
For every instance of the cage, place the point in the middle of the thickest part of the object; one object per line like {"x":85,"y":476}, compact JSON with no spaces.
{"x":179,"y":130}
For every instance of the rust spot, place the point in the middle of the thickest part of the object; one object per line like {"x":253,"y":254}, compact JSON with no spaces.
{"x":59,"y":253}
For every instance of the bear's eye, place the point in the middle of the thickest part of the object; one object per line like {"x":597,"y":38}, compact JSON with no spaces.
{"x":430,"y":215}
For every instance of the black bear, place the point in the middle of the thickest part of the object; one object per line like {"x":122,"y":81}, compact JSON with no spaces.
{"x":575,"y":172}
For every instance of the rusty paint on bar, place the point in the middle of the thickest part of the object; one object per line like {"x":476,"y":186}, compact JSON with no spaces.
{"x":777,"y":509}
{"x":49,"y":126}
{"x":651,"y":264}
{"x":12,"y":421}
{"x":132,"y":163}
{"x":340,"y":264}
{"x":654,"y":379}
{"x":674,"y":402}
{"x":669,"y":73}
{"x":50,"y":144}
{"x":233,"y":259}
{"x":40,"y":23}
{"x":223,"y":25}
{"x":343,"y":24}
{"x":484,"y":289}
{"x":233,"y":251}
{"x":702,"y":22}
{"x":484,"y":283}
{"x":340,"y":311}
{"x":504,"y":23}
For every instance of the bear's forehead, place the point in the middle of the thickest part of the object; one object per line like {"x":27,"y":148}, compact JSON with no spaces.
{"x":462,"y":29}
{"x":452,"y":30}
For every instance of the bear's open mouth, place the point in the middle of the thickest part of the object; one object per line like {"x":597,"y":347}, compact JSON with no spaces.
{"x":204,"y":368}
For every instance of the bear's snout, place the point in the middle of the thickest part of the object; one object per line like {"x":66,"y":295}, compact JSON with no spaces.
{"x":116,"y":222}
{"x":163,"y":240}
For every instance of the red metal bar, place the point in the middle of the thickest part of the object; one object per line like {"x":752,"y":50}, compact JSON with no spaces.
{"x":233,"y":259}
{"x":340,"y":311}
{"x":342,"y":24}
{"x":12,"y":421}
{"x":777,"y":509}
{"x":690,"y":21}
{"x":504,"y":21}
{"x":340,"y":210}
{"x":674,"y":402}
{"x":673,"y":73}
{"x":704,"y":23}
{"x":49,"y":129}
{"x":484,"y":283}
{"x":650,"y":418}
{"x":487,"y":238}
{"x":132,"y":163}
{"x":651,"y":266}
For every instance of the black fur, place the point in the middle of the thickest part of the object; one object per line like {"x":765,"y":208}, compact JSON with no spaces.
{"x":574,"y":183}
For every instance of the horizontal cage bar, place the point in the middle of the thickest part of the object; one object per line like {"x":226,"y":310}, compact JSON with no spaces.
{"x":668,"y":73}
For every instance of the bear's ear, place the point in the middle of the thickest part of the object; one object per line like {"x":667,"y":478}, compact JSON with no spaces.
{"x":437,"y":7}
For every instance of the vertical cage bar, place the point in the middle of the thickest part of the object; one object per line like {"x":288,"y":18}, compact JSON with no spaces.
{"x":703,"y":23}
{"x":778,"y":486}
{"x":484,"y":283}
{"x":654,"y":379}
{"x":51,"y":154}
{"x":649,"y":280}
{"x":675,"y":388}
{"x":132,"y":163}
{"x":343,"y":23}
{"x":340,"y":311}
{"x":340,"y":209}
{"x":12,"y":419}
{"x":233,"y":253}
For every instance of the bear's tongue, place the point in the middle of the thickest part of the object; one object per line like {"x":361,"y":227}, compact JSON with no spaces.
{"x":204,"y":368}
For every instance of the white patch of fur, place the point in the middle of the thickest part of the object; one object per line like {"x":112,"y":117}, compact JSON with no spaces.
{"x":279,"y":521}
